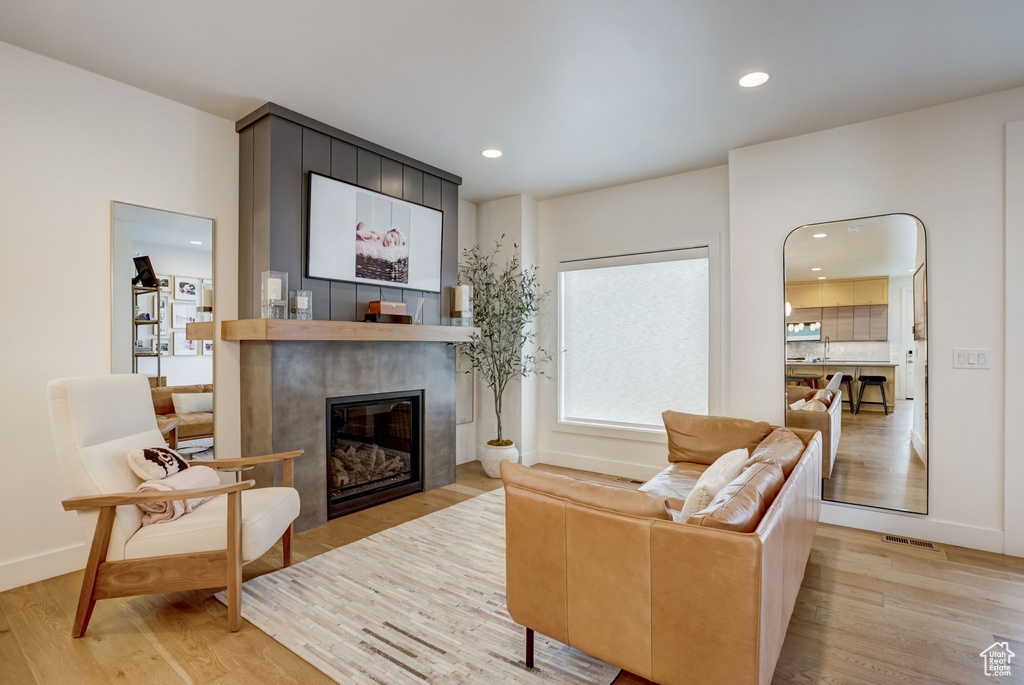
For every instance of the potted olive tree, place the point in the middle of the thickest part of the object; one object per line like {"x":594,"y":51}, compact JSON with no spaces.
{"x":505,"y":301}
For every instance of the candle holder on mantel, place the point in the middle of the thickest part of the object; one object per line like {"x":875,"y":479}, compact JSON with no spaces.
{"x":205,"y":300}
{"x":302,"y":305}
{"x":274,"y":295}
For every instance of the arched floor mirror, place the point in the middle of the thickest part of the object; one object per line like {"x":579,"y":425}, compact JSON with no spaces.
{"x":856,"y":364}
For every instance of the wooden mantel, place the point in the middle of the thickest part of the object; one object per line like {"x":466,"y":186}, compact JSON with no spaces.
{"x":293,"y":329}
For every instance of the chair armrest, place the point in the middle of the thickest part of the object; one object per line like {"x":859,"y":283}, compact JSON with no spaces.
{"x":116,"y":499}
{"x":246,"y":461}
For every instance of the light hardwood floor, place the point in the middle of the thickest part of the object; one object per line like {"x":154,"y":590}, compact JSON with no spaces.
{"x":876,"y":464}
{"x":869,"y":612}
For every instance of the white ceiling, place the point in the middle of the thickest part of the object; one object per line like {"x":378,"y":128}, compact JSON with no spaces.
{"x":880,"y":246}
{"x":579,"y":94}
{"x":157,"y":227}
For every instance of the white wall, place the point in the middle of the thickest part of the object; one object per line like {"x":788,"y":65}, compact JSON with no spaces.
{"x":665,"y":213}
{"x":1014,"y":399}
{"x":945,"y":165}
{"x":72,"y":143}
{"x":465,"y":433}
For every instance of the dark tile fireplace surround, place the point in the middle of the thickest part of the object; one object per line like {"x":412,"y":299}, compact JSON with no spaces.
{"x":285,"y":385}
{"x":289,"y":384}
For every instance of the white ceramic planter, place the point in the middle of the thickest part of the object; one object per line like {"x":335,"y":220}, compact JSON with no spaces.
{"x":492,"y":456}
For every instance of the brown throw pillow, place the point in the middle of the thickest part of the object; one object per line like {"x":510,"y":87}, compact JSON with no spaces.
{"x":782,"y":447}
{"x":703,"y":439}
{"x":741,"y":504}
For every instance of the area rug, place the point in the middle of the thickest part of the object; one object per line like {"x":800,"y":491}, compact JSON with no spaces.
{"x":423,"y":602}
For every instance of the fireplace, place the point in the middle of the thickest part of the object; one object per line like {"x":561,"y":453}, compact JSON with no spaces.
{"x":374,"y":449}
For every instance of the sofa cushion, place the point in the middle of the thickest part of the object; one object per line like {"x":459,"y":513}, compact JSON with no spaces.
{"x":194,"y":425}
{"x":192,"y":402}
{"x":675,"y":482}
{"x":824,"y":396}
{"x":782,"y":447}
{"x":620,"y":500}
{"x":718,"y":475}
{"x":703,"y":439}
{"x":741,"y":504}
{"x":162,"y":402}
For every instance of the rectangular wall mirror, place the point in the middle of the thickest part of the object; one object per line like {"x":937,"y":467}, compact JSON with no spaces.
{"x":162,"y":286}
{"x":856,"y":364}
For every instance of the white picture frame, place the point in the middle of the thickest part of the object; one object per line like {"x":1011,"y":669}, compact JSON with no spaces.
{"x":182,"y":314}
{"x":206,"y":348}
{"x":183,"y":346}
{"x":164,"y":282}
{"x":361,"y":236}
{"x":163,"y":346}
{"x":186,"y":288}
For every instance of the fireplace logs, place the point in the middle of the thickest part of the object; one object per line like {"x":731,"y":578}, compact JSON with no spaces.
{"x":356,"y":464}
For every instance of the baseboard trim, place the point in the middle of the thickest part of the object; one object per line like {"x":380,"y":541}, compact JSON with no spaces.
{"x":611,"y":467}
{"x":530,"y":458}
{"x":465,"y":456}
{"x":923,"y":528}
{"x":42,"y":566}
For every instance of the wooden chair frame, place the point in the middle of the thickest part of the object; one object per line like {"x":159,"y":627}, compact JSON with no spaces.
{"x":175,"y":572}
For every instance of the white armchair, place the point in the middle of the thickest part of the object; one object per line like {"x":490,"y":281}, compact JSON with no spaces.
{"x":96,"y":421}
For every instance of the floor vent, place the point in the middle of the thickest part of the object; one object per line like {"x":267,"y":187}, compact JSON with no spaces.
{"x":910,"y":542}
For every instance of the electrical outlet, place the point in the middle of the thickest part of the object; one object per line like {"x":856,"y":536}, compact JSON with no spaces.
{"x":972,"y":357}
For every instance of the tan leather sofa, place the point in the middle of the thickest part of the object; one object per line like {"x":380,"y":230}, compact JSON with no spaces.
{"x":609,"y":572}
{"x":190,"y":426}
{"x":829,"y":423}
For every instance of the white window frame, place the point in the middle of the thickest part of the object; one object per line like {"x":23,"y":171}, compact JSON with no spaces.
{"x":642,"y":253}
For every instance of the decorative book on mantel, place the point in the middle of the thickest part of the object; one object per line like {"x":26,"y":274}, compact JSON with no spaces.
{"x":382,"y":311}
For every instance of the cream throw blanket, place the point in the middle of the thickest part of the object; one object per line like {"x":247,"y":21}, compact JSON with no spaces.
{"x":187,"y":479}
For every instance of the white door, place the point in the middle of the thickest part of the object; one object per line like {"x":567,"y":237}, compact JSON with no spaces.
{"x":907,"y":337}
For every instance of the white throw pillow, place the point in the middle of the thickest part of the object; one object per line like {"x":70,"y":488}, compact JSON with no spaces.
{"x":192,"y":402}
{"x":717,"y":476}
{"x":798,"y":404}
{"x":154,"y":463}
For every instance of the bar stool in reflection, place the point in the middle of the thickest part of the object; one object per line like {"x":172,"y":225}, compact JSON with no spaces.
{"x":866,"y":381}
{"x":848,"y":381}
{"x":811,"y":379}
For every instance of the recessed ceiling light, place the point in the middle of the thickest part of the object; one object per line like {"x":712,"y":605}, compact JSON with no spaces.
{"x":491,"y":153}
{"x":815,"y":268}
{"x":912,"y":270}
{"x":822,"y":278}
{"x":753,"y":79}
{"x":196,"y":242}
{"x":820,"y":235}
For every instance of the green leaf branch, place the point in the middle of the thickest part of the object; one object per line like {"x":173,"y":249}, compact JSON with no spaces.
{"x":506,"y":300}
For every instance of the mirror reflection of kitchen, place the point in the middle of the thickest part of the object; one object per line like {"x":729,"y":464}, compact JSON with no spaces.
{"x":162,"y":317}
{"x":856,"y":356}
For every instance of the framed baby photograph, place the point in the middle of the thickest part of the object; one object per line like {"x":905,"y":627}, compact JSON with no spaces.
{"x":360,"y":236}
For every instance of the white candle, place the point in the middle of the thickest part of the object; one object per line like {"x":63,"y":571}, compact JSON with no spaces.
{"x":301,"y":301}
{"x":274,"y":289}
{"x":207,"y":297}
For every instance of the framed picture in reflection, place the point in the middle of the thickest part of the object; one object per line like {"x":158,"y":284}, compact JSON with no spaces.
{"x":920,"y":304}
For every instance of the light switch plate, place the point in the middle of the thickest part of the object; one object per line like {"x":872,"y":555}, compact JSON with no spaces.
{"x":972,"y":357}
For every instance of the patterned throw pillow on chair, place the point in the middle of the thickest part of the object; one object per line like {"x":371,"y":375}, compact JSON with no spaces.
{"x":154,"y":463}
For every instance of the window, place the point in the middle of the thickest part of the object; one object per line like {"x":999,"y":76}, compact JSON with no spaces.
{"x":634,"y":338}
